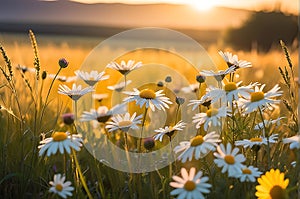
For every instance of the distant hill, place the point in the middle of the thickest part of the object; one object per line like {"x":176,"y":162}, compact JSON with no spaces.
{"x":118,"y":15}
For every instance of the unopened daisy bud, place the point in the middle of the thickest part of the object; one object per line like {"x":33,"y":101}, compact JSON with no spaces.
{"x":44,"y":75}
{"x":149,"y":143}
{"x":68,"y":118}
{"x":168,"y":79}
{"x":180,"y":100}
{"x":200,"y":78}
{"x":160,"y":84}
{"x":63,"y":63}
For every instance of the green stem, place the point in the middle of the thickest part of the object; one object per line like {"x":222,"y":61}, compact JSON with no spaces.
{"x":264,"y":135}
{"x":143,"y":125}
{"x":81,"y":175}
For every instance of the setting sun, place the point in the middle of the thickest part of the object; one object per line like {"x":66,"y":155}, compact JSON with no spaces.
{"x":203,"y":5}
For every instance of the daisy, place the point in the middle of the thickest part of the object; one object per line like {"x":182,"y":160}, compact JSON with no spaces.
{"x":99,"y":97}
{"x":272,"y":185}
{"x":204,"y":100}
{"x":60,"y":187}
{"x":190,"y":186}
{"x":124,"y":68}
{"x":210,"y":117}
{"x":124,"y":122}
{"x":231,"y":91}
{"x":25,"y":69}
{"x":259,"y":99}
{"x":168,"y":130}
{"x":294,"y":140}
{"x":149,"y":98}
{"x":256,"y":141}
{"x":192,"y":88}
{"x":102,"y":114}
{"x":91,"y":78}
{"x":62,"y":78}
{"x":76,"y":92}
{"x":229,"y":159}
{"x":119,"y":87}
{"x":231,"y":60}
{"x":268,"y":123}
{"x":197,"y":147}
{"x":219,"y":75}
{"x":249,"y":174}
{"x":60,"y":141}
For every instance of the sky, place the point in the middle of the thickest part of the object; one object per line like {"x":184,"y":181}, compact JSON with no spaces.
{"x":286,"y":5}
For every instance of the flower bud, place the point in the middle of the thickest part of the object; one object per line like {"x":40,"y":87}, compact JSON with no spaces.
{"x":63,"y":63}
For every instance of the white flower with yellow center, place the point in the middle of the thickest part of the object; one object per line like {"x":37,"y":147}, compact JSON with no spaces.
{"x":76,"y":92}
{"x":229,"y":160}
{"x":231,"y":91}
{"x":124,"y":122}
{"x":124,"y":68}
{"x":197,"y":147}
{"x":204,"y":100}
{"x":91,"y":78}
{"x":62,"y":78}
{"x":248,"y":174}
{"x":149,"y":98}
{"x":102,"y":114}
{"x":211,"y":117}
{"x":256,"y":141}
{"x":168,"y":130}
{"x":192,"y":88}
{"x":120,"y":86}
{"x":60,"y":187}
{"x":219,"y":75}
{"x":294,"y":141}
{"x":259,"y":99}
{"x":231,"y":60}
{"x":60,"y":141}
{"x":191,"y":185}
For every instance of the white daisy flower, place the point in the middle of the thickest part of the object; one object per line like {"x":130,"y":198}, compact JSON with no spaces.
{"x":62,"y":78}
{"x":198,"y":147}
{"x":124,"y":122}
{"x":124,"y":68}
{"x":149,"y":98}
{"x":257,"y":141}
{"x":249,"y":174}
{"x":294,"y":141}
{"x":168,"y":130}
{"x":231,"y":91}
{"x":211,"y":117}
{"x":60,"y":141}
{"x":293,"y":164}
{"x":229,"y":159}
{"x":268,"y":123}
{"x":60,"y":187}
{"x":25,"y":69}
{"x":102,"y":114}
{"x":219,"y":75}
{"x":119,"y":87}
{"x":232,"y":60}
{"x":204,"y":100}
{"x":99,"y":97}
{"x":259,"y":99}
{"x":190,"y":186}
{"x":192,"y":88}
{"x":91,"y":78}
{"x":76,"y":92}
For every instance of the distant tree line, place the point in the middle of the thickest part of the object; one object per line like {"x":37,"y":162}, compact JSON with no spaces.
{"x":262,"y":30}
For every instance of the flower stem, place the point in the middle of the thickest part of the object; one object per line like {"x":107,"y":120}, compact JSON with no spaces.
{"x":81,"y":175}
{"x":143,"y":125}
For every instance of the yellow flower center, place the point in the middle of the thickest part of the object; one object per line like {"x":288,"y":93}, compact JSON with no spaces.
{"x":189,"y":185}
{"x":256,"y":139}
{"x":147,"y":94}
{"x":230,"y":86}
{"x":229,"y":159}
{"x":198,"y":140}
{"x":247,"y":171}
{"x":59,"y":187}
{"x":59,"y":136}
{"x":212,"y":112}
{"x":256,"y":96}
{"x":277,"y":192}
{"x":125,"y":123}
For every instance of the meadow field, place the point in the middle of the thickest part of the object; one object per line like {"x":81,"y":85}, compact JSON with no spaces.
{"x":33,"y":108}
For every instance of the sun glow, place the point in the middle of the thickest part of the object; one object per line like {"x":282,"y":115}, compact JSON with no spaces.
{"x":203,"y":5}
